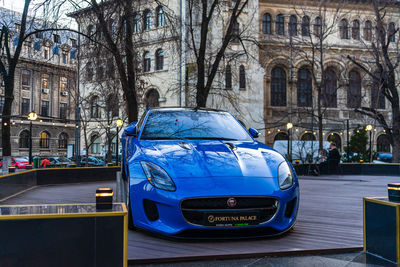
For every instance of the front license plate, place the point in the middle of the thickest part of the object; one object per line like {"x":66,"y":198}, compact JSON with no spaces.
{"x":231,"y":219}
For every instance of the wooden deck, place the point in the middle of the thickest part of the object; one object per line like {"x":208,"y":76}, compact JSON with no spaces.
{"x":330,"y":220}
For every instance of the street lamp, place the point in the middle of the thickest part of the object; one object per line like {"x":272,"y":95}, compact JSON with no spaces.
{"x":32,"y":116}
{"x":369,"y":129}
{"x":119,"y":124}
{"x":289,"y":126}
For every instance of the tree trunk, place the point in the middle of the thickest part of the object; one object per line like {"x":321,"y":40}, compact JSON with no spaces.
{"x":320,"y":125}
{"x":5,"y":126}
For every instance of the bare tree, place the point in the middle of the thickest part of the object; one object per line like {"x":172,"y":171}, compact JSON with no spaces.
{"x":381,"y":67}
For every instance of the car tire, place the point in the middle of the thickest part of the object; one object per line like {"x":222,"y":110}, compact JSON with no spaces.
{"x":127,"y":199}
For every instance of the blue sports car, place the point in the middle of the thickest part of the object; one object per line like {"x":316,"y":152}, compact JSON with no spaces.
{"x":199,"y":173}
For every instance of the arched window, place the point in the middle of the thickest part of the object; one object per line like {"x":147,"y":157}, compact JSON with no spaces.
{"x":344,"y":29}
{"x":62,"y":140}
{"x":266,"y":26}
{"x":278,"y":87}
{"x":24,"y":139}
{"x":308,"y":137}
{"x":318,"y":26}
{"x":377,"y":97}
{"x":44,"y":140}
{"x":281,"y":136}
{"x":304,"y":88}
{"x":305,"y":26}
{"x":228,"y":77}
{"x":160,"y":16}
{"x":335,"y":138}
{"x":354,"y":91}
{"x":146,"y":20}
{"x":391,"y":32}
{"x":368,"y":30}
{"x":242,"y":77}
{"x":94,"y":107}
{"x":383,"y":143}
{"x":280,"y":25}
{"x":151,"y":99}
{"x":293,"y":25}
{"x":159,"y":59}
{"x":146,"y":62}
{"x":135,"y":22}
{"x":355,"y":31}
{"x":329,"y":94}
{"x":95,"y":147}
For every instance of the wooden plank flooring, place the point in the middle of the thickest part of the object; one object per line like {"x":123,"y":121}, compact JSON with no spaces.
{"x":330,"y":219}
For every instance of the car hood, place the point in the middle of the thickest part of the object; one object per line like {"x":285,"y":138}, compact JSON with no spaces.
{"x":201,"y":158}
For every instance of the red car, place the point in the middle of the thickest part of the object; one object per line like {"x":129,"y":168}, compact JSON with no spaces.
{"x":19,"y":162}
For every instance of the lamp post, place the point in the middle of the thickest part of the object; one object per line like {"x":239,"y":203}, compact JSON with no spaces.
{"x":32,"y":116}
{"x":119,"y":124}
{"x":289,"y":126}
{"x":369,"y":128}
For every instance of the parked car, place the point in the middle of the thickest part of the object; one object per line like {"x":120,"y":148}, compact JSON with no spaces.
{"x":384,"y":158}
{"x":18,"y":162}
{"x":59,"y":161}
{"x":189,"y":171}
{"x":92,"y":161}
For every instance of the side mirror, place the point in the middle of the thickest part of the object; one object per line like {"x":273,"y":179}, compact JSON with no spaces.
{"x":131,"y":129}
{"x":254,"y":133}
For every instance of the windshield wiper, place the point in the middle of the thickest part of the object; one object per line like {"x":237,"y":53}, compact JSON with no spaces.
{"x":211,"y":138}
{"x":160,"y":138}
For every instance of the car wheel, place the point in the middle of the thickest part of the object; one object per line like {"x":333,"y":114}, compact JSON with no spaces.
{"x":127,"y":197}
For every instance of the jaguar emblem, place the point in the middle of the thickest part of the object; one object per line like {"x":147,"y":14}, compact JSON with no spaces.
{"x":231,"y":202}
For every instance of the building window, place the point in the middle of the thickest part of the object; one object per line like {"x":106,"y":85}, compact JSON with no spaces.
{"x":62,"y":141}
{"x":293,"y":25}
{"x":318,"y":27}
{"x":46,"y":52}
{"x":56,"y":38}
{"x":368,"y":31}
{"x":280,"y":25}
{"x":63,"y":84}
{"x":242,"y":77}
{"x":65,"y":57}
{"x":160,"y":16}
{"x":89,"y":71}
{"x":383,"y":143}
{"x":146,"y":62}
{"x":25,"y":106}
{"x":94,"y":107}
{"x":45,"y":81}
{"x":110,"y":68}
{"x":95,"y":147}
{"x":26,"y":79}
{"x":44,"y":140}
{"x":304,"y":88}
{"x":38,"y":35}
{"x":228,"y":77}
{"x":308,"y":137}
{"x":2,"y":100}
{"x":377,"y":97}
{"x":329,"y":94}
{"x":355,"y":31}
{"x":63,"y":110}
{"x":112,"y":105}
{"x":151,"y":99}
{"x":278,"y":87}
{"x":235,"y":32}
{"x":344,"y":29}
{"x":74,"y":43}
{"x":281,"y":136}
{"x":146,"y":20}
{"x":305,"y":26}
{"x":354,"y":91}
{"x":135,"y":23}
{"x":159,"y":59}
{"x":392,"y":32}
{"x":266,"y":24}
{"x":24,"y":139}
{"x":100,"y":72}
{"x":45,"y":108}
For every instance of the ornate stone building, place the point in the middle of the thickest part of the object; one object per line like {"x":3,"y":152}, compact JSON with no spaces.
{"x":45,"y":81}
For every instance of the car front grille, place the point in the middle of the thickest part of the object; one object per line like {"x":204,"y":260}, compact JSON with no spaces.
{"x":197,"y":210}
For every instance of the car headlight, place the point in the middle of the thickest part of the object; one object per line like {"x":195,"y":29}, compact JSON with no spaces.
{"x":285,"y":176}
{"x":157,"y":177}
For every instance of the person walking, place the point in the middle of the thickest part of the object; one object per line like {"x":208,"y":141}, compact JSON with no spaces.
{"x":333,"y":159}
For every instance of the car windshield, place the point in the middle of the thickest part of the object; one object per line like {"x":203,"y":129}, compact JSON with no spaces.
{"x":193,"y":124}
{"x":20,"y":160}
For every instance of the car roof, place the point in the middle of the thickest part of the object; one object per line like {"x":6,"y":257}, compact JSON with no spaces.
{"x":185,"y":108}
